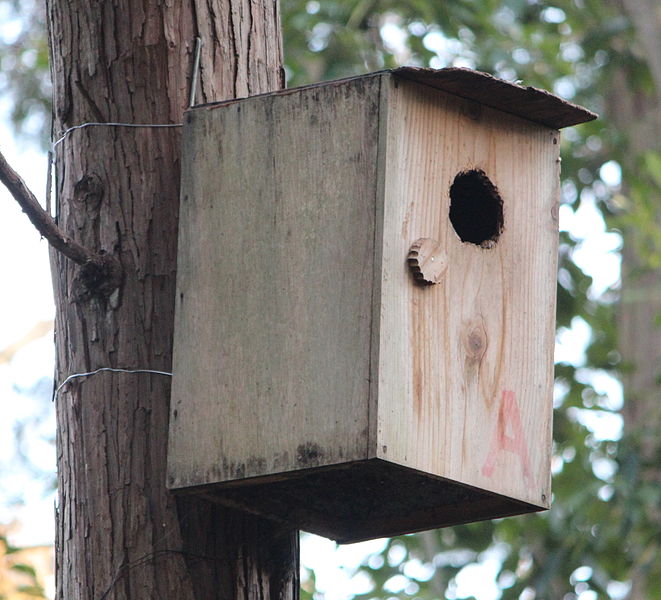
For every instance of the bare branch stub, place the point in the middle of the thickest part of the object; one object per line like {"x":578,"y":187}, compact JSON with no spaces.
{"x":100,"y":273}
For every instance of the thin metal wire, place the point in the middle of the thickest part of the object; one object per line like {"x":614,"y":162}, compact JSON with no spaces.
{"x":102,"y":369}
{"x":84,"y":125}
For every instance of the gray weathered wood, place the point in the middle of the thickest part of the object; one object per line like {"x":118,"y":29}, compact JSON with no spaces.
{"x":272,"y":347}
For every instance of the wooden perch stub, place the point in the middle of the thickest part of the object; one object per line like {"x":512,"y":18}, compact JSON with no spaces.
{"x":427,"y":261}
{"x":99,"y":271}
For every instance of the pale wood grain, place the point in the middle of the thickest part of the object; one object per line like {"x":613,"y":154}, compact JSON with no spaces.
{"x":427,"y":261}
{"x":449,"y":351}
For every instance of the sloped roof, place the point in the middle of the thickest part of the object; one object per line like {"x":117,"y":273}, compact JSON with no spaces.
{"x":530,"y":103}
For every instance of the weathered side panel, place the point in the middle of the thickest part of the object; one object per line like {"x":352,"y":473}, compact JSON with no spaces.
{"x":465,"y":371}
{"x":275,"y":284}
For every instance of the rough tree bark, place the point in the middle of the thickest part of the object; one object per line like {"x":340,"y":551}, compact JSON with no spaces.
{"x":120,"y":534}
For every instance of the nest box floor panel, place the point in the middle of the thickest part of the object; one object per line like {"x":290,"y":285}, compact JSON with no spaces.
{"x":363,"y":500}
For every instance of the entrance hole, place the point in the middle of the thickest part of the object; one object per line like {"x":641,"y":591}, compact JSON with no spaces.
{"x":476,"y":208}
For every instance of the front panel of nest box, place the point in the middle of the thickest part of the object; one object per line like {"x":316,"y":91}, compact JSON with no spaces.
{"x":468,"y":294}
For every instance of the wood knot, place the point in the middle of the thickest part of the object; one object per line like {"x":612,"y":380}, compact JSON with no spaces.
{"x":89,"y":190}
{"x":475,"y":341}
{"x":98,"y":278}
{"x":555,"y":211}
{"x":427,"y":261}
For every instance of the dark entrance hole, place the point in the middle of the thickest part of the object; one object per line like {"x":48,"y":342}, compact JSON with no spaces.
{"x":476,"y":208}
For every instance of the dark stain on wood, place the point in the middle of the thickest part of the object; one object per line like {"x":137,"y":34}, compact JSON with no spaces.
{"x":309,"y":453}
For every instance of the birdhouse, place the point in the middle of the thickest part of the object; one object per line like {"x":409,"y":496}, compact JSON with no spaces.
{"x":365,"y":305}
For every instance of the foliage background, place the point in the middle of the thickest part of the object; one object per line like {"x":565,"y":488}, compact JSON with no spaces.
{"x":601,"y":539}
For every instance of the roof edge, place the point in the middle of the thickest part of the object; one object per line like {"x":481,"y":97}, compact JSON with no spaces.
{"x":528,"y":102}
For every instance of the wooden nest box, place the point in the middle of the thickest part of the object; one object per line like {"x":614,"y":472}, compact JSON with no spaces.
{"x":366,"y":300}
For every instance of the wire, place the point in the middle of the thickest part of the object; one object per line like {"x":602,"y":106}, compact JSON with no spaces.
{"x":111,"y":369}
{"x":84,"y":125}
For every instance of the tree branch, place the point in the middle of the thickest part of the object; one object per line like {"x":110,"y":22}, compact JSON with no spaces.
{"x":44,"y":223}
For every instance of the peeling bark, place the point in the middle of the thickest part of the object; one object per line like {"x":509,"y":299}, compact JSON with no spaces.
{"x":120,"y":534}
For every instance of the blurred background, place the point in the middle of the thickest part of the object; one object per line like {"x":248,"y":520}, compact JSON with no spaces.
{"x":602,"y":537}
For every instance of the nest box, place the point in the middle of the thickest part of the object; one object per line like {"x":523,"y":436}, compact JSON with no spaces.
{"x":365,"y":302}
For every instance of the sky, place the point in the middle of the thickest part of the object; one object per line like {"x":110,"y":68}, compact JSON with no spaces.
{"x":26,"y":300}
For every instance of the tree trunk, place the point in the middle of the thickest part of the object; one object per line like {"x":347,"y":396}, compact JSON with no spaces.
{"x":635,"y":112}
{"x":120,"y":534}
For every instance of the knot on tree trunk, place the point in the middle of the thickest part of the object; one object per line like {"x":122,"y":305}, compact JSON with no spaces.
{"x":98,"y":278}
